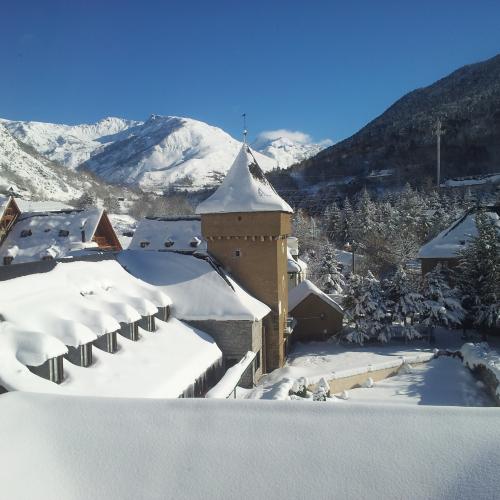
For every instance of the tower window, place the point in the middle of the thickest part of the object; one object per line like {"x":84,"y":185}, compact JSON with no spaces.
{"x":239,"y":217}
{"x":237,"y":253}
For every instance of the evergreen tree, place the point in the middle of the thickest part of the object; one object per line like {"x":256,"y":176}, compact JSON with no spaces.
{"x":405,"y":302}
{"x":441,"y":304}
{"x":365,"y":305}
{"x":347,"y":222}
{"x":332,"y":223}
{"x":332,"y":280}
{"x":478,"y":274}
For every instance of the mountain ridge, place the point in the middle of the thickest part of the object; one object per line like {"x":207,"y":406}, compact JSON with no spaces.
{"x":401,"y":138}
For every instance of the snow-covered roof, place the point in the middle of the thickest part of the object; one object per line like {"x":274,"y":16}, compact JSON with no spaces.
{"x":244,"y":189}
{"x":41,"y":206}
{"x":37,"y":234}
{"x":75,"y":303}
{"x":202,"y":448}
{"x":199,"y":290}
{"x":297,"y":294}
{"x":448,"y":243}
{"x":78,"y":301}
{"x":171,"y":234}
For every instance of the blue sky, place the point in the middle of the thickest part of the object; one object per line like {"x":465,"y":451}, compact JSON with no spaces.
{"x":325,"y":68}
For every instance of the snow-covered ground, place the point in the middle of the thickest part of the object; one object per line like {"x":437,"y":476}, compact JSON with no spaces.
{"x":316,"y":360}
{"x":76,"y":447}
{"x":442,"y":381}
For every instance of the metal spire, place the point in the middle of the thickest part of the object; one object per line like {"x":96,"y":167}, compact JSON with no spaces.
{"x":245,"y":131}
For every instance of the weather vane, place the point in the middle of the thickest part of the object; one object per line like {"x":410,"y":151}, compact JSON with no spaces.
{"x":245,"y":131}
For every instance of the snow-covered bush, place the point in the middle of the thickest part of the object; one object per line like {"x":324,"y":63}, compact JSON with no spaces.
{"x":299,"y":388}
{"x":322,"y":392}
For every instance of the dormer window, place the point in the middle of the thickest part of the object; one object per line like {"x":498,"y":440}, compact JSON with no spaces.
{"x":25,"y":233}
{"x":169,"y":243}
{"x":46,"y":230}
{"x":7,"y":260}
{"x":195,"y":242}
{"x":144,"y":244}
{"x":47,"y":257}
{"x":63,"y":233}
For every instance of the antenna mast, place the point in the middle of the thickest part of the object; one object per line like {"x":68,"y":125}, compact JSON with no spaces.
{"x":439,"y":132}
{"x":245,"y":131}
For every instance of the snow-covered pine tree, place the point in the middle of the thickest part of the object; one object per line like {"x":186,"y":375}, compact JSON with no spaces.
{"x":347,"y":221}
{"x":442,"y":303}
{"x":404,"y":301}
{"x":365,"y":306}
{"x":332,"y":279}
{"x":332,"y":223}
{"x":478,"y":274}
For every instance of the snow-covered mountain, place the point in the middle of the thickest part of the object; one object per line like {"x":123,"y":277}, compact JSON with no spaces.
{"x":159,"y":152}
{"x":69,"y":145}
{"x":32,"y":176}
{"x":166,"y":150}
{"x":29,"y":174}
{"x":287,"y":147}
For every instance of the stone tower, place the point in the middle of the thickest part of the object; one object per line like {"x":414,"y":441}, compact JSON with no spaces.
{"x":246,"y":224}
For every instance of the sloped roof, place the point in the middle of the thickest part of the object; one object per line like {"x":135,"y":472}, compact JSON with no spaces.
{"x":299,"y":293}
{"x":448,"y":243}
{"x":244,"y":189}
{"x":76,"y":302}
{"x":199,"y":290}
{"x":46,"y":234}
{"x":171,"y":234}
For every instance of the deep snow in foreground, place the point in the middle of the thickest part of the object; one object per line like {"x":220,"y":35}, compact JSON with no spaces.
{"x":73,"y":448}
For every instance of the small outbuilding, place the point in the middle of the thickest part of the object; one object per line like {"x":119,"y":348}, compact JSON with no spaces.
{"x":445,"y":248}
{"x":318,"y":316}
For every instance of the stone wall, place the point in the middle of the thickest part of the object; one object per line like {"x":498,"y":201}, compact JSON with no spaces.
{"x":235,"y":339}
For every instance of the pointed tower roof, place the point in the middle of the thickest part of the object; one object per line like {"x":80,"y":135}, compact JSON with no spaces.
{"x":244,"y":189}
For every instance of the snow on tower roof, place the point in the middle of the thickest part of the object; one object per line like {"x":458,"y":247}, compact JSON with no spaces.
{"x":199,"y":290}
{"x":171,"y":234}
{"x":448,"y":243}
{"x":244,"y":189}
{"x":39,"y":234}
{"x":297,"y":294}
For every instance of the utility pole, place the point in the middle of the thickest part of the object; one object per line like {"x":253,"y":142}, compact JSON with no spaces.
{"x":439,"y":132}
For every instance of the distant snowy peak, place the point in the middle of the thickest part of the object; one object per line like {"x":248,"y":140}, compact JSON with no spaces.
{"x":288,"y":149}
{"x":167,"y":150}
{"x":69,"y":145}
{"x":158,"y":152}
